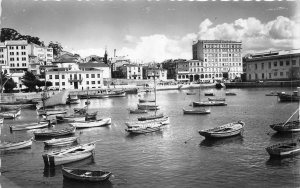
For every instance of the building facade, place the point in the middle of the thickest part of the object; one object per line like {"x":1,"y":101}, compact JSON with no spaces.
{"x":158,"y":73}
{"x":220,"y":58}
{"x":280,"y":65}
{"x":182,"y":70}
{"x":132,"y":71}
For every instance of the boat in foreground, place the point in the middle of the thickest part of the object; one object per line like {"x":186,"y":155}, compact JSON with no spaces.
{"x":209,"y":103}
{"x":69,"y":155}
{"x":55,"y":132}
{"x":93,"y":123}
{"x":29,"y":126}
{"x":287,"y":127}
{"x":60,"y":141}
{"x":85,"y":175}
{"x":227,"y":130}
{"x":150,"y":117}
{"x":4,"y":146}
{"x":285,"y":149}
{"x":196,"y":111}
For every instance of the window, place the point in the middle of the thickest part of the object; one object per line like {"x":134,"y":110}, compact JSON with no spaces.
{"x":63,"y":83}
{"x":87,"y":82}
{"x":93,"y":82}
{"x":17,"y":47}
{"x":50,"y":76}
{"x":287,"y":63}
{"x":269,"y":65}
{"x":87,"y":75}
{"x":98,"y":75}
{"x":11,"y":47}
{"x":263,"y":76}
{"x":281,"y":63}
{"x":270,"y":75}
{"x":93,"y":76}
{"x":56,"y":76}
{"x":281,"y":73}
{"x":17,"y":59}
{"x":11,"y":59}
{"x":24,"y":64}
{"x":275,"y":63}
{"x":63,"y":77}
{"x":17,"y":53}
{"x":23,"y":58}
{"x":57,"y":83}
{"x":11,"y":53}
{"x":293,"y":62}
{"x":22,"y":47}
{"x":23,"y":53}
{"x":98,"y":82}
{"x":18,"y":64}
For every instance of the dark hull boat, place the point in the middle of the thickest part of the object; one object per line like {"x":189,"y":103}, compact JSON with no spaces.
{"x":283,"y":97}
{"x":150,"y":117}
{"x":209,"y":103}
{"x":196,"y":111}
{"x":55,"y":132}
{"x":209,"y":94}
{"x":289,"y":127}
{"x":85,"y":175}
{"x":285,"y":149}
{"x":224,"y":131}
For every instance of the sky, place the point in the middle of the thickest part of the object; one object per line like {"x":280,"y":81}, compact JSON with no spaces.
{"x":146,"y":31}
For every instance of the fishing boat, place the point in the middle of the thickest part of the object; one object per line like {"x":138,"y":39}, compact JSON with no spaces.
{"x":85,"y":175}
{"x":10,"y":114}
{"x":60,"y":141}
{"x":4,"y":146}
{"x":146,"y":100}
{"x":209,"y":94}
{"x":209,"y":103}
{"x":289,"y":126}
{"x":49,"y":112}
{"x":150,"y":117}
{"x":94,"y":123}
{"x":29,"y":126}
{"x":55,"y":132}
{"x":137,"y":111}
{"x":69,"y":155}
{"x":162,"y":121}
{"x":196,"y":111}
{"x":283,"y":97}
{"x":230,"y":93}
{"x":285,"y":149}
{"x":224,"y":131}
{"x":144,"y":128}
{"x":216,"y":99}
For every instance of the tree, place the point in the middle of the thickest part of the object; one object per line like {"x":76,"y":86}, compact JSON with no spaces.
{"x":11,"y":34}
{"x":9,"y":83}
{"x":57,"y":48}
{"x":30,"y":81}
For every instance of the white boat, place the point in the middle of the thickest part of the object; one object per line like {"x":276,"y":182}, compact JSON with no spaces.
{"x":59,"y":98}
{"x":29,"y":126}
{"x":60,"y":141}
{"x":10,"y":114}
{"x":196,"y":111}
{"x":227,"y":130}
{"x":144,"y":128}
{"x":49,"y":112}
{"x":15,"y":145}
{"x":69,"y":155}
{"x":209,"y":103}
{"x":285,"y":149}
{"x":162,"y":121}
{"x":89,"y":124}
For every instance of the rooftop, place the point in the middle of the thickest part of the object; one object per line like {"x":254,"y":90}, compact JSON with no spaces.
{"x":92,"y":65}
{"x":15,"y":42}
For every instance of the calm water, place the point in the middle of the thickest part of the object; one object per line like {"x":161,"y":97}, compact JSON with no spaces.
{"x":175,"y":157}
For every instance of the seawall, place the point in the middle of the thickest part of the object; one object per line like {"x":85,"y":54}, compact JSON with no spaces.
{"x":295,"y":83}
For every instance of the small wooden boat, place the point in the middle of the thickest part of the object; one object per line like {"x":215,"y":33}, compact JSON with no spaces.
{"x":60,"y":141}
{"x":55,"y":132}
{"x":146,"y":100}
{"x":72,"y":99}
{"x":148,"y":107}
{"x":163,"y":121}
{"x":69,"y":155}
{"x":137,"y":111}
{"x":230,"y":93}
{"x":85,"y":175}
{"x":150,"y":117}
{"x":196,"y":111}
{"x":10,"y":114}
{"x":71,"y":118}
{"x":285,"y":149}
{"x":144,"y":128}
{"x":224,"y":131}
{"x":283,"y":97}
{"x":209,"y":94}
{"x":216,"y":99}
{"x":209,"y":103}
{"x":29,"y":126}
{"x":287,"y":127}
{"x":191,"y":93}
{"x":89,"y":124}
{"x":49,"y":112}
{"x":117,"y":94}
{"x":4,"y":146}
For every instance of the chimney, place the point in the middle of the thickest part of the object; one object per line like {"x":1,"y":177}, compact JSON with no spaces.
{"x":115,"y":52}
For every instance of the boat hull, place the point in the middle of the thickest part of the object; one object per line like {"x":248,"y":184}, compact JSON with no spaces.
{"x":54,"y":133}
{"x":289,"y":127}
{"x":60,"y":142}
{"x":87,"y":124}
{"x":29,"y":126}
{"x":282,"y":150}
{"x":209,"y":103}
{"x":85,"y":175}
{"x":224,"y":131}
{"x":196,"y":111}
{"x":14,"y":146}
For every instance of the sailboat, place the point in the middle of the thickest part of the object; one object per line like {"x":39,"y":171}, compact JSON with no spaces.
{"x":207,"y":103}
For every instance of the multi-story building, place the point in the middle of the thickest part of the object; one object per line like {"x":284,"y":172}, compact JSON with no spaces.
{"x":280,"y":65}
{"x":49,"y":56}
{"x":132,"y":71}
{"x":220,"y":58}
{"x":182,"y":70}
{"x":158,"y":73}
{"x":3,"y":58}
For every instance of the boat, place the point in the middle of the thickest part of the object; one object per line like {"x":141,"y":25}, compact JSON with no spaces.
{"x":216,"y":99}
{"x":59,"y":98}
{"x":191,"y":93}
{"x":8,"y":107}
{"x":55,"y":132}
{"x":144,"y":128}
{"x":4,"y":146}
{"x":137,"y":111}
{"x":146,"y":100}
{"x":220,"y":85}
{"x":196,"y":111}
{"x":285,"y":149}
{"x":148,"y":107}
{"x":72,"y":99}
{"x":209,"y":94}
{"x":209,"y":103}
{"x":80,"y":110}
{"x":289,"y":126}
{"x":29,"y":126}
{"x":72,"y":118}
{"x":283,"y":97}
{"x":10,"y":114}
{"x":85,"y":175}
{"x":94,"y":123}
{"x":150,"y":117}
{"x":116,"y":93}
{"x":162,"y":121}
{"x":272,"y":93}
{"x":230,"y":93}
{"x":49,"y":112}
{"x":60,"y":141}
{"x":224,"y":131}
{"x":69,"y":155}
{"x":1,"y":120}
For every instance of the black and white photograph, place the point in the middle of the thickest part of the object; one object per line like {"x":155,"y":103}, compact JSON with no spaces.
{"x":149,"y":93}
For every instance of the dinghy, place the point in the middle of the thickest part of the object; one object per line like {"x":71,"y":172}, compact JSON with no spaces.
{"x":29,"y":126}
{"x":94,"y":123}
{"x":285,"y":149}
{"x":196,"y":111}
{"x":60,"y":141}
{"x":55,"y":132}
{"x":85,"y":175}
{"x":224,"y":131}
{"x":4,"y":146}
{"x":144,"y":128}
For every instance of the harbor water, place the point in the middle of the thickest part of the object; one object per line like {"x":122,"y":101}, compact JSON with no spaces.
{"x":177,"y":156}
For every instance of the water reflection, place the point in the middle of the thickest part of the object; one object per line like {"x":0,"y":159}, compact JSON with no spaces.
{"x":50,"y":171}
{"x":284,"y":136}
{"x":217,"y":142}
{"x":69,"y":183}
{"x":280,"y":162}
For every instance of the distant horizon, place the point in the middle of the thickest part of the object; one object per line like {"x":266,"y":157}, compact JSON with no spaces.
{"x":147,"y":31}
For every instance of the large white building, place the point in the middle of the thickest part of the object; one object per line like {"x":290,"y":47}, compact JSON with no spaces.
{"x":220,"y":58}
{"x":132,"y":71}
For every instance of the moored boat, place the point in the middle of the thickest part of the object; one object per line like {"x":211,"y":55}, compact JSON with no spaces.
{"x":224,"y":131}
{"x":148,"y":107}
{"x":209,"y":94}
{"x":29,"y":126}
{"x":10,"y":114}
{"x":196,"y":111}
{"x":150,"y":117}
{"x":72,"y":99}
{"x":137,"y":111}
{"x":85,"y":175}
{"x":49,"y":112}
{"x":144,"y":128}
{"x":216,"y":99}
{"x":209,"y":103}
{"x":230,"y":93}
{"x":285,"y":149}
{"x":283,"y":97}
{"x":163,"y":121}
{"x":191,"y":93}
{"x":146,"y":100}
{"x":60,"y":141}
{"x":4,"y":146}
{"x":55,"y":132}
{"x":94,"y":123}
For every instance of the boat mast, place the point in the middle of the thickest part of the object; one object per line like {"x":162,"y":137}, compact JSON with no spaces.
{"x":298,"y":89}
{"x":155,"y":92}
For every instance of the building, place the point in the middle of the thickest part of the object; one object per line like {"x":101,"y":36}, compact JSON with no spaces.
{"x":220,"y":58}
{"x":280,"y":65}
{"x":3,"y":58}
{"x":182,"y":70}
{"x":158,"y":73}
{"x":132,"y":71}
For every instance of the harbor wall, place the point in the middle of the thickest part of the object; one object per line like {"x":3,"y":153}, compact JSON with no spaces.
{"x":295,"y":83}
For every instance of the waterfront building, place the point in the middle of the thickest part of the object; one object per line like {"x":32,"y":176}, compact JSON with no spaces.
{"x":182,"y":70}
{"x":220,"y":58}
{"x":170,"y":66}
{"x":3,"y":58}
{"x":273,"y":65}
{"x":159,"y":73}
{"x":132,"y":71}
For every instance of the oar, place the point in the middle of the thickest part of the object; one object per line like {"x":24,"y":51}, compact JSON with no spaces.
{"x":188,"y":140}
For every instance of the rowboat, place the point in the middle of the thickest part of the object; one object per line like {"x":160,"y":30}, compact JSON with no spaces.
{"x":144,"y":128}
{"x":85,"y":175}
{"x":162,"y":121}
{"x":89,"y":124}
{"x":4,"y":146}
{"x":10,"y":114}
{"x":283,"y":97}
{"x":285,"y":149}
{"x":150,"y":117}
{"x":230,"y":93}
{"x":227,"y":130}
{"x":55,"y":132}
{"x":49,"y":112}
{"x":148,"y":107}
{"x":69,"y":155}
{"x":29,"y":126}
{"x":137,"y":111}
{"x":60,"y":141}
{"x":209,"y":103}
{"x":70,"y":118}
{"x":209,"y":94}
{"x":117,"y":94}
{"x":196,"y":111}
{"x":216,"y":99}
{"x":146,"y":100}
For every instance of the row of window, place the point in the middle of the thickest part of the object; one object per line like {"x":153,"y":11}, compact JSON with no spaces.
{"x":17,"y":47}
{"x":17,"y":59}
{"x":87,"y":83}
{"x":271,"y":75}
{"x":2,"y":61}
{"x":75,"y":76}
{"x":275,"y":64}
{"x":222,"y":46}
{"x":18,"y":65}
{"x":214,"y":69}
{"x":17,"y":53}
{"x":222,"y":50}
{"x":222,"y":55}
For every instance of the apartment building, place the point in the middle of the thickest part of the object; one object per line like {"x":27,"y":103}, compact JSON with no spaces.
{"x":132,"y":71}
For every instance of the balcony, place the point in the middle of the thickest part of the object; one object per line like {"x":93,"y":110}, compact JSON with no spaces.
{"x":75,"y":80}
